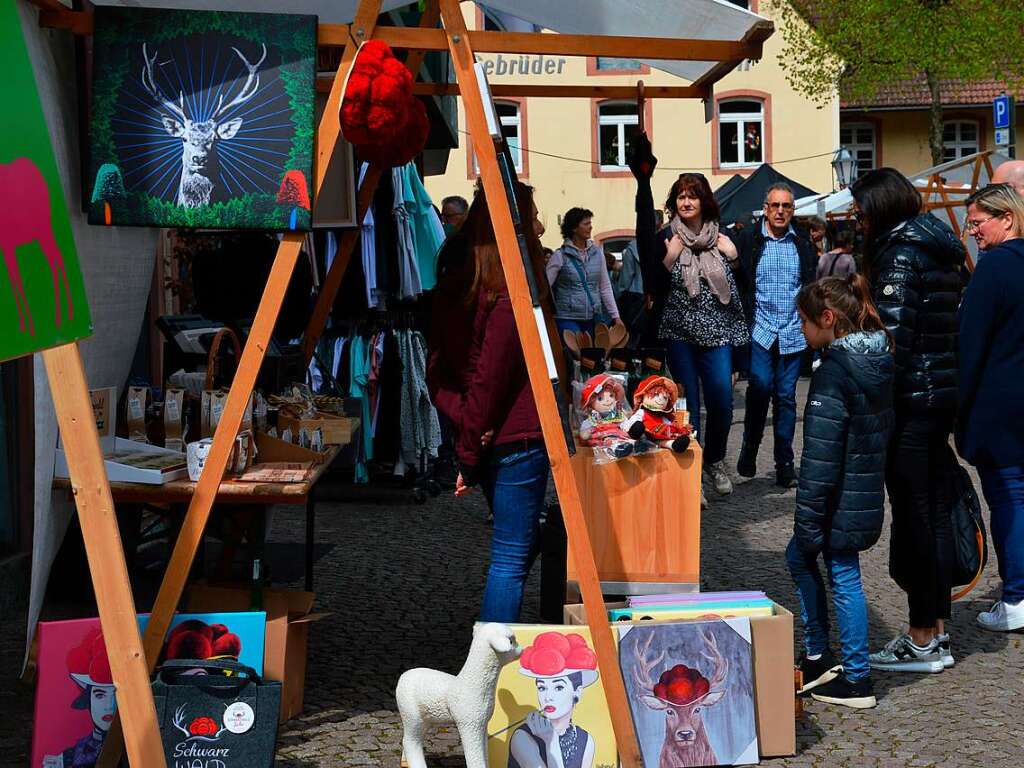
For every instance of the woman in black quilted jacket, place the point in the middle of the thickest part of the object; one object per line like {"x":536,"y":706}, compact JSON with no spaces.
{"x":915,"y":262}
{"x":840,"y":498}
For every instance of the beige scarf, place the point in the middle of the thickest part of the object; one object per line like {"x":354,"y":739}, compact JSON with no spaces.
{"x":700,"y":258}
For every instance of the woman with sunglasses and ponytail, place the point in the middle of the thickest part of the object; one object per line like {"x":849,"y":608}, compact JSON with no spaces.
{"x":914,"y":263}
{"x":840,"y":498}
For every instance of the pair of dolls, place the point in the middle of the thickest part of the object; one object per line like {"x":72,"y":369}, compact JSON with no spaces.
{"x":609,"y":424}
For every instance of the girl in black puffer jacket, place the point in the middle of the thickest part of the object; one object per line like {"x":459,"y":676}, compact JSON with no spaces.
{"x":915,"y":264}
{"x":840,"y":498}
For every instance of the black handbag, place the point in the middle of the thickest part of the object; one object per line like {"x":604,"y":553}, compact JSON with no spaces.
{"x":970,"y":541}
{"x":216,"y":713}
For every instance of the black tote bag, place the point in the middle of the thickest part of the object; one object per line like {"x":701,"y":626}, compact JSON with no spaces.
{"x":970,"y":541}
{"x":211,"y":718}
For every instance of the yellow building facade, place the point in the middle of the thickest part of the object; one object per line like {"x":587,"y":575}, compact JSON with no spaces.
{"x":572,"y":151}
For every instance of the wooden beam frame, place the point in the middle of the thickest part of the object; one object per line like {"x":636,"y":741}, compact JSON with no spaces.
{"x":461,"y":47}
{"x":107,"y":566}
{"x":620,"y":46}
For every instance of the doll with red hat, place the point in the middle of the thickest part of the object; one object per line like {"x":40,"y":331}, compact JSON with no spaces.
{"x":561,"y":665}
{"x":653,"y":399}
{"x":604,"y":405}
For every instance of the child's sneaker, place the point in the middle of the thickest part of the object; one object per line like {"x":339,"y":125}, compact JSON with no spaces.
{"x":819,"y":671}
{"x":901,"y":655}
{"x":859,"y":694}
{"x":945,"y":653}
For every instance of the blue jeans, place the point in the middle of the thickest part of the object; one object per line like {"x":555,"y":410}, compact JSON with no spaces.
{"x":848,"y":596}
{"x":693,"y":366}
{"x":772,"y":378}
{"x":576,"y":326}
{"x":1004,"y":492}
{"x":515,"y":486}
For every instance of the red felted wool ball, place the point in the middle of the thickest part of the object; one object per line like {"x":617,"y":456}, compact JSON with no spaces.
{"x":99,"y":669}
{"x":581,"y":658}
{"x":547,"y":661}
{"x":218,"y":630}
{"x":680,"y":691}
{"x":228,"y":644}
{"x":371,"y":57}
{"x":193,"y":625}
{"x":401,"y":75}
{"x":553,"y":641}
{"x":189,"y":645}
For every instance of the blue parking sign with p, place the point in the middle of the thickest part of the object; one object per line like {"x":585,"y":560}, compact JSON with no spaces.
{"x":1001,"y":112}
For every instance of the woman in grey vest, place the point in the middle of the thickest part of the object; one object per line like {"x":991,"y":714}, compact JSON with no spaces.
{"x":579,"y":277}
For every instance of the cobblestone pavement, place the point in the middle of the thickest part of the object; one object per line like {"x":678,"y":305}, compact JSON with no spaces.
{"x":404,"y":584}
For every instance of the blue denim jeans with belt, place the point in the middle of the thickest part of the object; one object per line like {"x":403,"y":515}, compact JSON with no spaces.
{"x":850,"y":604}
{"x":1004,"y":493}
{"x":515,"y":485}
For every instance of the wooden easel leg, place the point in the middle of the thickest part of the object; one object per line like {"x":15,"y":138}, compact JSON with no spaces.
{"x":106,"y":556}
{"x":547,"y":409}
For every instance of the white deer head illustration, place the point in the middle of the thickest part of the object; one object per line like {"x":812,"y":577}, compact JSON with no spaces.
{"x":197,"y":138}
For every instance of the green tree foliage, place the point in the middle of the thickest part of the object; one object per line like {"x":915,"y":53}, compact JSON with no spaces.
{"x":868,"y":44}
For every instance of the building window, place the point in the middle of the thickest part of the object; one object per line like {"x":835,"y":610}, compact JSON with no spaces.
{"x":860,"y":139}
{"x":740,"y":132}
{"x":620,"y":65}
{"x":959,"y":139}
{"x":617,"y":124}
{"x":512,"y":116}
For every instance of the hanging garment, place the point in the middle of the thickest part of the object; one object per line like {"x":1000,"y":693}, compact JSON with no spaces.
{"x":368,"y":242}
{"x":408,"y":268}
{"x":387,"y":440}
{"x":331,"y":251}
{"x":420,"y":428}
{"x":426,"y":225}
{"x":376,"y":364}
{"x":360,"y":378}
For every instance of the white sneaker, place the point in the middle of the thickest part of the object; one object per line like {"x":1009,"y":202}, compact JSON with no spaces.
{"x":945,"y":653}
{"x":1003,"y":617}
{"x":718,"y":478}
{"x":901,"y":655}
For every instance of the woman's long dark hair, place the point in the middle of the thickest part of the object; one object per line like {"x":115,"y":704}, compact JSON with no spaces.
{"x":886,"y":199}
{"x":697,"y":185}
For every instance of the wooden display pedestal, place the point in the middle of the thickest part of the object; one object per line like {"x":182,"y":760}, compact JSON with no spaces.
{"x":643,"y":516}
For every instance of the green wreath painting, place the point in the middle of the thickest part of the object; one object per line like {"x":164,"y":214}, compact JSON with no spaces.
{"x":202,"y":119}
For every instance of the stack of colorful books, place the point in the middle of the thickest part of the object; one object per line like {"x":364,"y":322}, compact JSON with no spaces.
{"x":693,"y":605}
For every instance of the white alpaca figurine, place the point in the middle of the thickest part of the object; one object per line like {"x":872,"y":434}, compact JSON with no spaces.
{"x":429,"y":696}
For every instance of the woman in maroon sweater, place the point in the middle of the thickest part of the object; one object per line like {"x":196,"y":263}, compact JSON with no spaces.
{"x":481,"y":384}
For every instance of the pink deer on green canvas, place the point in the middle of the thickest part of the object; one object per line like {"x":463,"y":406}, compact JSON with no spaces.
{"x":25,"y":219}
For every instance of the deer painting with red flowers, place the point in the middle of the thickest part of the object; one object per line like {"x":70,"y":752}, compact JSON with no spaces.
{"x":683,"y":694}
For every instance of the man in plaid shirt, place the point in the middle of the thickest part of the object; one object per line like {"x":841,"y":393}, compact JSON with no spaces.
{"x":775,"y":262}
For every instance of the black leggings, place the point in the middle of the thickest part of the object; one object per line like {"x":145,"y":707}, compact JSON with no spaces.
{"x":917,"y":477}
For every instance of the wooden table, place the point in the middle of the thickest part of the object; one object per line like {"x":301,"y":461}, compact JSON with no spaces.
{"x":232,"y":492}
{"x":643,"y":516}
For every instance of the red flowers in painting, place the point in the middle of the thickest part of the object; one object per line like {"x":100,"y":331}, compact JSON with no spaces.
{"x":203,"y":726}
{"x":681,"y":685}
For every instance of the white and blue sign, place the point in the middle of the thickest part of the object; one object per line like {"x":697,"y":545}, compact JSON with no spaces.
{"x":1001,"y":112}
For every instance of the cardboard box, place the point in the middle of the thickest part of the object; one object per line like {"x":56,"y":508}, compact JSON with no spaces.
{"x":337,"y":430}
{"x":774,"y":690}
{"x":288,"y":621}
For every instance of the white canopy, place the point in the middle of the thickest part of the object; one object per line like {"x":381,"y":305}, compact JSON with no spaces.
{"x":675,"y":19}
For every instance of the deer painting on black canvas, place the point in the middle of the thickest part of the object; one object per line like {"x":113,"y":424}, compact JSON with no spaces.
{"x":202,"y":119}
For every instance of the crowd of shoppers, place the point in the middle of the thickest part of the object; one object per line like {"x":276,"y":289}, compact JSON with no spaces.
{"x":908,"y":359}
